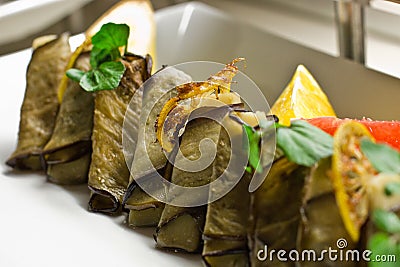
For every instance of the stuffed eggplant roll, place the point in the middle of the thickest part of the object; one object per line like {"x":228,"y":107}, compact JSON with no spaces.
{"x":40,"y":105}
{"x":144,"y":210}
{"x":321,"y":225}
{"x":180,"y":227}
{"x":109,"y":174}
{"x":67,"y":154}
{"x":225,"y":231}
{"x":276,"y":212}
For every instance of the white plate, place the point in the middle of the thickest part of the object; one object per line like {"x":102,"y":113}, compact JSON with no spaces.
{"x":43,"y":224}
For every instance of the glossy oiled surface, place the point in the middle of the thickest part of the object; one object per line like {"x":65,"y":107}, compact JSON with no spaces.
{"x":43,"y":224}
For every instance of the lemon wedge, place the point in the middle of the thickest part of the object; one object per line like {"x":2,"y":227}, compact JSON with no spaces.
{"x":302,"y":98}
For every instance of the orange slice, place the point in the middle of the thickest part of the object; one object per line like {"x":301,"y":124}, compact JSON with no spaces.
{"x":302,"y":98}
{"x":350,"y":172}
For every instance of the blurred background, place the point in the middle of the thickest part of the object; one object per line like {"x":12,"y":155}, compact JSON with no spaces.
{"x":312,"y":23}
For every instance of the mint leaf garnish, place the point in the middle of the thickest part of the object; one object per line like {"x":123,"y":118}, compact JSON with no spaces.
{"x":301,"y":143}
{"x":254,"y":138}
{"x":392,"y":188}
{"x":75,"y":74}
{"x":386,"y":221}
{"x":304,"y":143}
{"x":381,"y":244}
{"x":107,"y":71}
{"x":106,"y":77}
{"x":111,"y":36}
{"x":382,"y":157}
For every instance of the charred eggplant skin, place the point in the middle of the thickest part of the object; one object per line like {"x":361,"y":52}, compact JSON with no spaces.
{"x":276,"y":211}
{"x":168,"y":235}
{"x":40,"y":104}
{"x":70,"y":145}
{"x":109,"y":174}
{"x":225,"y":231}
{"x":321,"y":224}
{"x":136,"y":201}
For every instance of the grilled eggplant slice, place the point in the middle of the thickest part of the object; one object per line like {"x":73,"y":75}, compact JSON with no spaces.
{"x":180,"y":227}
{"x":72,"y":172}
{"x":321,"y":225}
{"x":276,"y":211}
{"x":144,"y":210}
{"x":40,"y":105}
{"x":109,"y":174}
{"x":225,"y":231}
{"x":70,"y":143}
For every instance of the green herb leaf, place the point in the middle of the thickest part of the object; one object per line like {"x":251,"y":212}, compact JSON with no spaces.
{"x":106,"y":72}
{"x":106,"y":77}
{"x":382,"y":245}
{"x":75,"y":74}
{"x":386,"y":221}
{"x":254,"y":138}
{"x":304,"y":143}
{"x":392,"y":188}
{"x":382,"y":157}
{"x":111,"y":36}
{"x":98,"y":56}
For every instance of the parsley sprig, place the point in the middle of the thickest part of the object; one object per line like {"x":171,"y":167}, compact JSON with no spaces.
{"x":107,"y":71}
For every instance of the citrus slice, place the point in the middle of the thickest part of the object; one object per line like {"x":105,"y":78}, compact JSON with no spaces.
{"x":302,"y":98}
{"x":350,"y":170}
{"x":138,"y":15}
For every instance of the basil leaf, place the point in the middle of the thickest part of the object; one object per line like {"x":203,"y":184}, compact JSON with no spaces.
{"x":75,"y":74}
{"x":106,"y":77}
{"x":304,"y":143}
{"x":392,"y":188}
{"x":386,"y":221}
{"x":382,"y":157}
{"x":382,"y":245}
{"x":111,"y":36}
{"x":254,"y":138}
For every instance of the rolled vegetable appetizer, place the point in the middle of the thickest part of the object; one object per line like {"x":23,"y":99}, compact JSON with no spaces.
{"x":40,"y":105}
{"x":144,"y":210}
{"x":181,"y":228}
{"x":276,"y":211}
{"x":172,"y":121}
{"x":321,"y":224}
{"x":67,"y":154}
{"x":109,"y":174}
{"x":71,"y":172}
{"x":225,"y":230}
